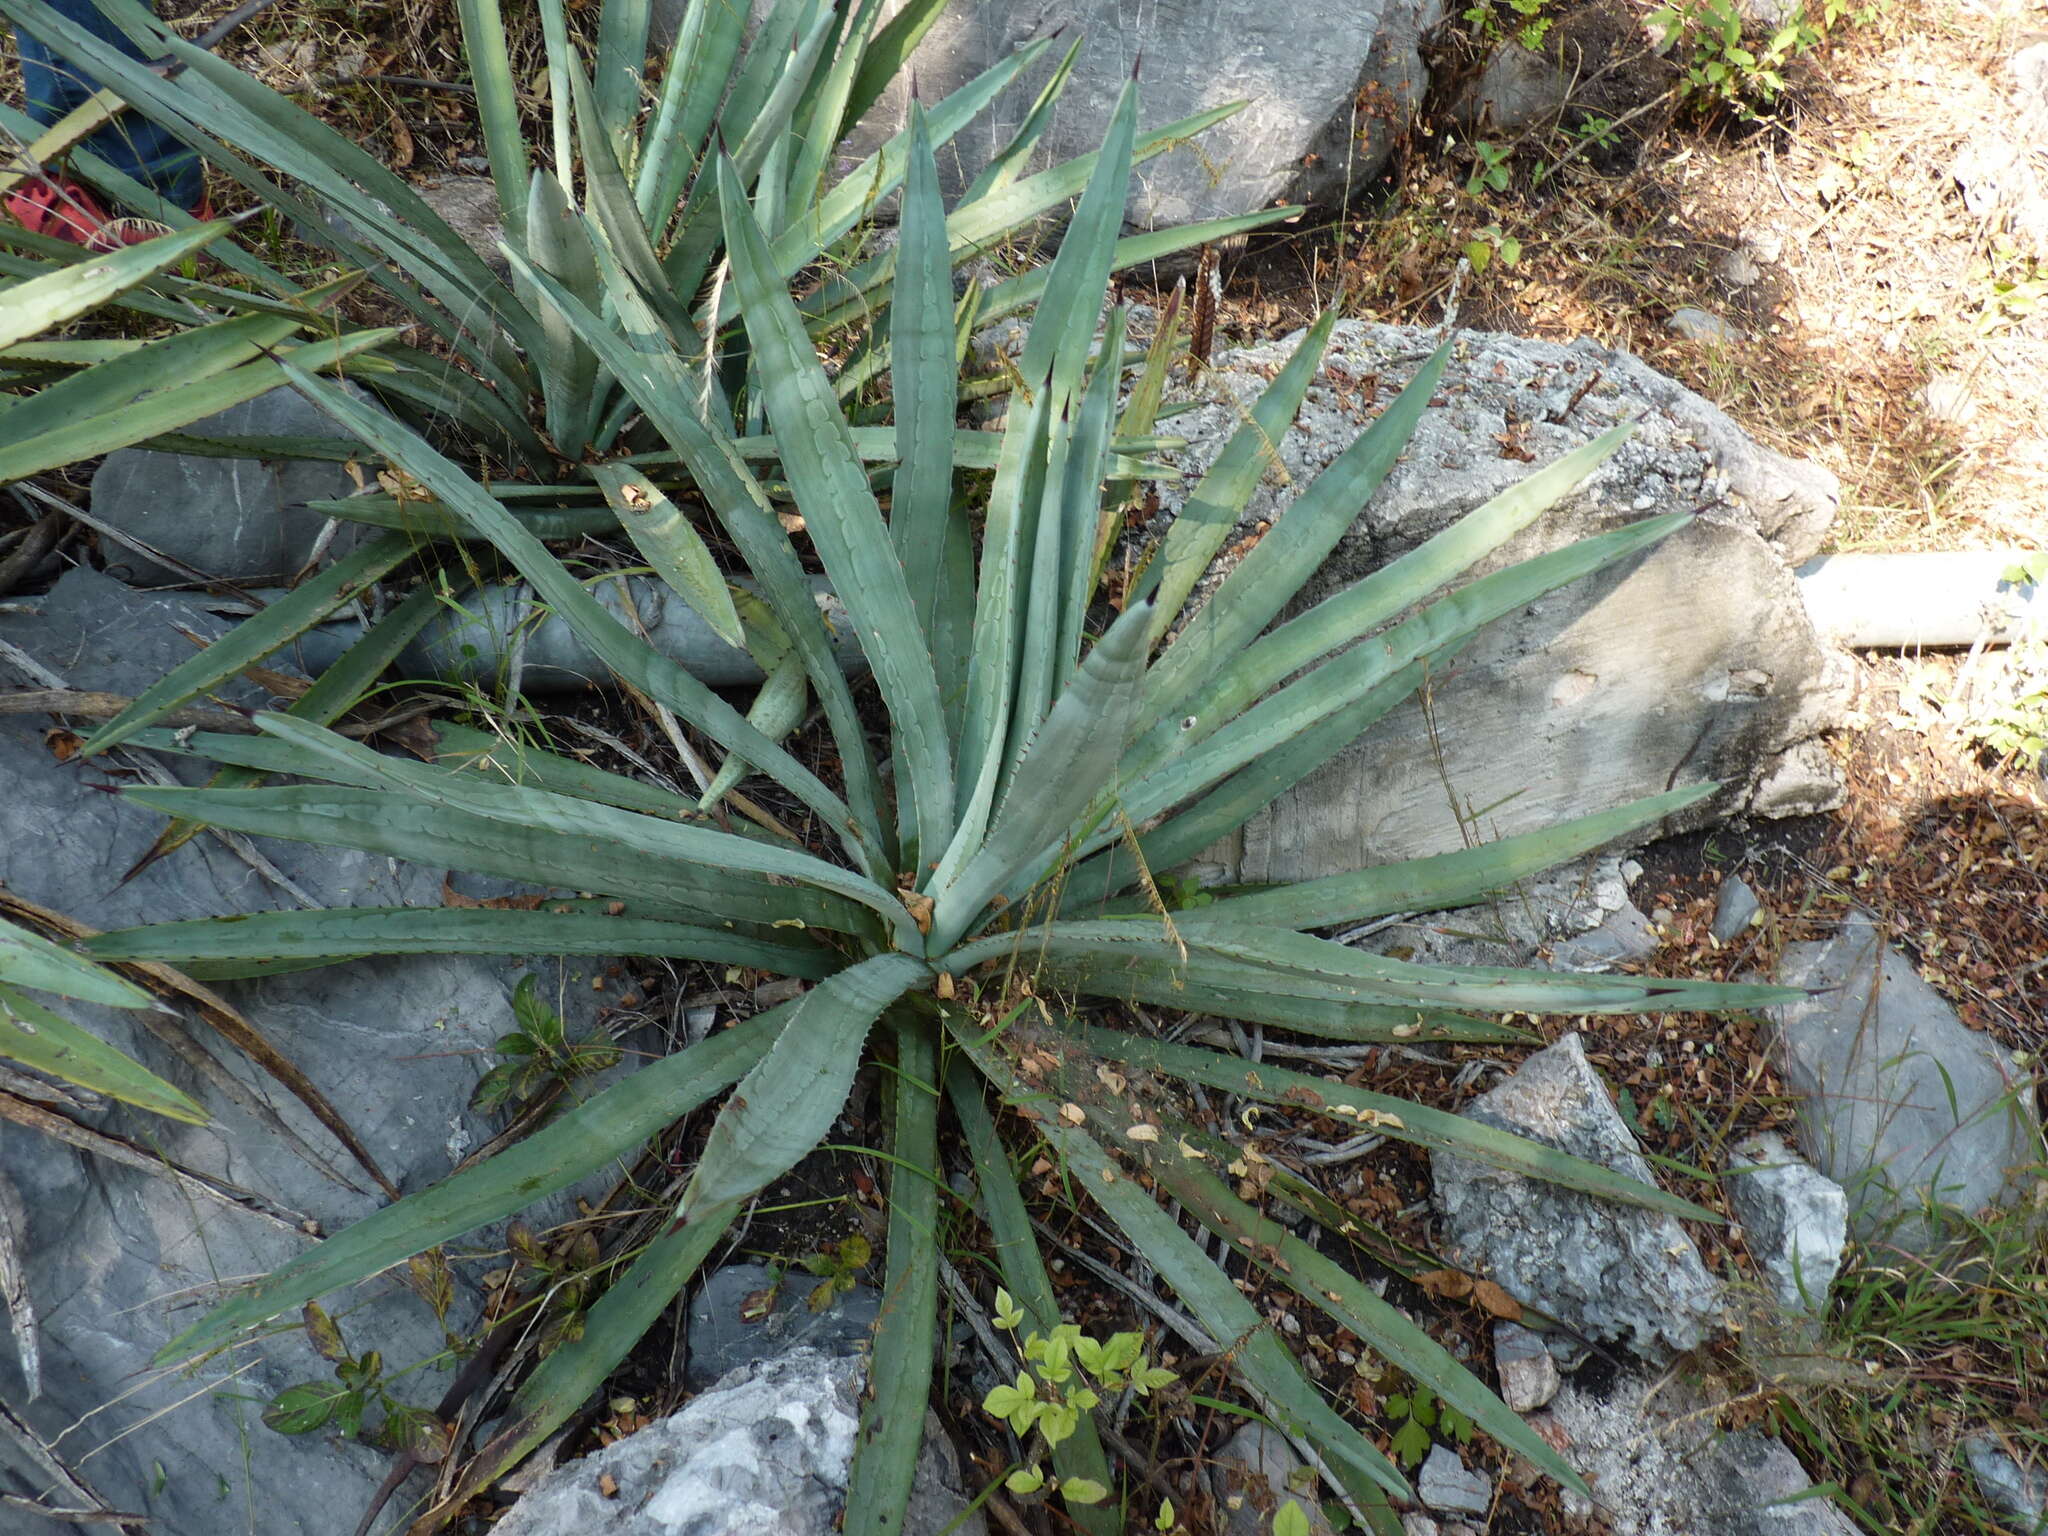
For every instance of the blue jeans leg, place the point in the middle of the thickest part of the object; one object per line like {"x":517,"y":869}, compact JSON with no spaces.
{"x":131,"y":143}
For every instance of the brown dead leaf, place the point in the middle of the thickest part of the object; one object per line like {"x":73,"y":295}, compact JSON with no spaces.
{"x":1446,"y":1284}
{"x":63,"y":744}
{"x":1496,"y":1301}
{"x":451,"y":897}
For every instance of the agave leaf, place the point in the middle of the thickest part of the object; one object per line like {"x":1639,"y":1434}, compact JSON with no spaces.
{"x":619,"y":1319}
{"x":883,"y":59}
{"x":845,"y":523}
{"x":255,"y":638}
{"x":657,"y":384}
{"x":825,"y":110}
{"x":607,"y":1125}
{"x":1008,"y":163}
{"x":784,"y":1106}
{"x":57,"y":298}
{"x":344,"y":932}
{"x":1396,"y":586}
{"x":921,"y":518}
{"x":1356,"y":672}
{"x":707,"y":42}
{"x":1447,"y":880}
{"x":400,"y":826}
{"x":1328,"y":1015}
{"x":1388,"y":1115}
{"x":1212,"y":511}
{"x":30,"y":960}
{"x":1081,"y":501}
{"x":1236,"y":800}
{"x":677,"y":551}
{"x":1023,"y":1274}
{"x":777,"y":709}
{"x":900,"y":1382}
{"x":1259,"y":1355}
{"x":976,"y":226}
{"x":521,"y":762}
{"x":1074,"y":752}
{"x":616,"y":77}
{"x":1260,"y":585}
{"x":176,"y":406}
{"x":497,"y":107}
{"x":1331,"y":1288}
{"x":719,"y":856}
{"x":639,"y":664}
{"x":47,"y":1042}
{"x":556,"y":244}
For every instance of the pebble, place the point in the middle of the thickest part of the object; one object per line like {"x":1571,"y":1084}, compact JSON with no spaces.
{"x":1446,"y":1484}
{"x":1528,"y":1374}
{"x":1735,"y":908}
{"x":1698,"y":325}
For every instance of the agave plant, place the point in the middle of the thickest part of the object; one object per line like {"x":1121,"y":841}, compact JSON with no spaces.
{"x":497,"y":364}
{"x":979,"y":899}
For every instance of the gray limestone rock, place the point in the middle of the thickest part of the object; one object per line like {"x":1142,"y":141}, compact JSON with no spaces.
{"x":1795,"y":1217}
{"x":1903,"y":1105}
{"x":469,"y":204}
{"x":1604,"y":1270}
{"x":1445,"y":1484}
{"x":2018,"y":1492}
{"x":242,"y":520}
{"x":766,"y":1449}
{"x":1701,"y":325}
{"x":1624,"y":935}
{"x":1693,"y":661}
{"x":1256,"y":1473}
{"x":119,"y":1261}
{"x":1735,"y":907}
{"x":1528,"y":1370}
{"x":1518,"y":89}
{"x":725,"y":1336}
{"x":1328,"y":93}
{"x":1658,"y":1467}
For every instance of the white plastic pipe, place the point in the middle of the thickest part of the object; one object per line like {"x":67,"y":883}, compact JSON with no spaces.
{"x":1906,"y":601}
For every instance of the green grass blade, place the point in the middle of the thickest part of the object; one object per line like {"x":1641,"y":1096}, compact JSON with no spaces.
{"x":47,"y":1042}
{"x":677,"y":552}
{"x":255,"y":638}
{"x":900,"y":1377}
{"x":1447,"y":880}
{"x":1023,"y":1275}
{"x":344,"y":932}
{"x":1062,"y":771}
{"x":786,"y":1104}
{"x":608,"y":1125}
{"x":30,"y":960}
{"x":497,"y":107}
{"x":627,"y":655}
{"x":1259,"y":1355}
{"x":845,"y":523}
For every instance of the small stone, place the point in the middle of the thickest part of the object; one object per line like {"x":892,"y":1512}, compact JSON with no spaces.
{"x":1446,"y":1484}
{"x":2018,"y":1492}
{"x":740,"y":1316}
{"x":1623,"y":935}
{"x":1950,"y":399}
{"x":1901,"y":1103}
{"x":1255,"y":1474}
{"x":1739,"y":268}
{"x":1528,"y":1373}
{"x":1631,"y":872}
{"x":1796,"y":1220}
{"x":1699,"y":325}
{"x":1518,"y":90}
{"x":1735,"y":907}
{"x":1416,"y":1523}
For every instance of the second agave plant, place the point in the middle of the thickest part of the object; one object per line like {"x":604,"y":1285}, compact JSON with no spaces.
{"x":970,"y":907}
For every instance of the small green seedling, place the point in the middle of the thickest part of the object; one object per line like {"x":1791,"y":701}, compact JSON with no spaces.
{"x":359,"y":1386}
{"x":1424,"y":1414}
{"x":1489,"y":168}
{"x":1064,"y":1376}
{"x":536,"y":1054}
{"x":839,"y":1268}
